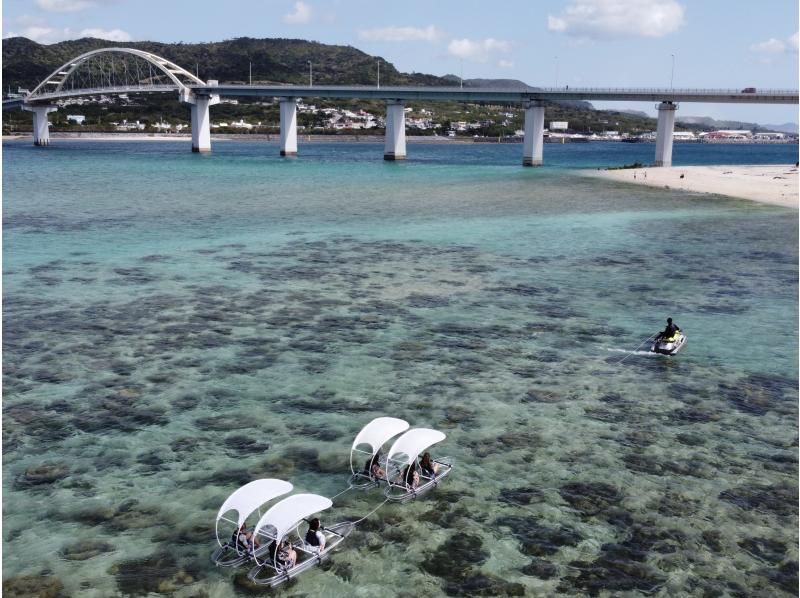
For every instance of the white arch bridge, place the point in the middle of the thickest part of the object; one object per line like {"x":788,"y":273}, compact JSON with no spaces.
{"x":127,"y":70}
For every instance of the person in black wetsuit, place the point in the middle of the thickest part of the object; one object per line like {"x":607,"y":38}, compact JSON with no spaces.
{"x":669,"y":331}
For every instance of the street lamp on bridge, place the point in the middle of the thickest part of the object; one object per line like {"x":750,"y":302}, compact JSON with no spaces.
{"x":672,"y":73}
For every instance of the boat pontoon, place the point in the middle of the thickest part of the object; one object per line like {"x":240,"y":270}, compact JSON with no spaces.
{"x":373,"y":436}
{"x":283,"y":521}
{"x":404,"y":453}
{"x":669,"y":346}
{"x":245,"y":501}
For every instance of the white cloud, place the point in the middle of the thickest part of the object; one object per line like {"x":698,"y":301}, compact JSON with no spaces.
{"x":113,"y":35}
{"x":776,"y":46}
{"x":300,"y":16}
{"x":793,"y":42}
{"x":607,"y":18}
{"x":479,"y":50}
{"x":40,"y":34}
{"x":401,"y":34}
{"x":64,"y":5}
{"x":51,"y":35}
{"x":505,"y":64}
{"x":771,"y":46}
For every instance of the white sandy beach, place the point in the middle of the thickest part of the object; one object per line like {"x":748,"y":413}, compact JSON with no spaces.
{"x":775,"y":184}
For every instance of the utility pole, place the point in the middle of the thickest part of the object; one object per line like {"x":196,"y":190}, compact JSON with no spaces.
{"x":310,"y":74}
{"x":379,"y":74}
{"x":461,"y":78}
{"x":251,"y":73}
{"x":556,"y":59}
{"x":672,"y":74}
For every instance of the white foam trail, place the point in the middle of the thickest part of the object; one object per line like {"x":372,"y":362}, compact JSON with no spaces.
{"x":613,"y":350}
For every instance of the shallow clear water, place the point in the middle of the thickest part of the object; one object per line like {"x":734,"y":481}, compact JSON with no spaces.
{"x":176,"y":325}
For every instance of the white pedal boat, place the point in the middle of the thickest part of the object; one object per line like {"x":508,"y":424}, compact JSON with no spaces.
{"x":368,"y":443}
{"x":245,"y":501}
{"x":284,"y":520}
{"x":404,"y":453}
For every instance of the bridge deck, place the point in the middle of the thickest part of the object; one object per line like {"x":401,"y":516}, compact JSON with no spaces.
{"x":458,"y":94}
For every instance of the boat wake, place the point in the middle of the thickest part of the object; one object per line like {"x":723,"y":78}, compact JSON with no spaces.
{"x":629,"y":352}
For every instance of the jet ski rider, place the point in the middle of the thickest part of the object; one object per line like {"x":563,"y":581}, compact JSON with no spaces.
{"x":670,"y":332}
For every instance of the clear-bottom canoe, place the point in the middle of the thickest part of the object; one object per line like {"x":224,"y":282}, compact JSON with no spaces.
{"x":406,"y":478}
{"x":283,"y":552}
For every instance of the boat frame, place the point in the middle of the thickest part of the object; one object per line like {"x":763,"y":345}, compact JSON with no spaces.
{"x":283,"y":521}
{"x":245,"y":501}
{"x":374,"y":435}
{"x":404,"y":452}
{"x":311,"y":557}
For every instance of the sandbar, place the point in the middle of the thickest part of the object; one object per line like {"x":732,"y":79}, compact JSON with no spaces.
{"x":773,"y":184}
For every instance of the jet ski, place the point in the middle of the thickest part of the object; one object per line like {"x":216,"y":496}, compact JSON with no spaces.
{"x":668,"y":346}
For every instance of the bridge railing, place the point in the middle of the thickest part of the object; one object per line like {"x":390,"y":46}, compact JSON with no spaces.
{"x":668,"y":90}
{"x":102,"y":90}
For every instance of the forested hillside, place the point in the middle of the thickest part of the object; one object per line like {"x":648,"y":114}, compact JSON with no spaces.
{"x":26,"y":63}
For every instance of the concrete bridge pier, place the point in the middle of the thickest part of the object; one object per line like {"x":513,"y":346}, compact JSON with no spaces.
{"x":288,"y":127}
{"x":534,"y":134}
{"x":201,"y":118}
{"x":395,"y":145}
{"x":664,"y":132}
{"x":41,"y":126}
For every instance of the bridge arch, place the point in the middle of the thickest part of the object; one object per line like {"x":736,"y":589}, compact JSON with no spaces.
{"x":178,"y":78}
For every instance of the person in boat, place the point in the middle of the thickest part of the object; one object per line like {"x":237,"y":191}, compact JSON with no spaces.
{"x":410,"y":477}
{"x":314,"y":536}
{"x":243,"y":539}
{"x":287,"y":555}
{"x":374,"y":468}
{"x":272,"y":551}
{"x":669,"y":332}
{"x":427,"y":466}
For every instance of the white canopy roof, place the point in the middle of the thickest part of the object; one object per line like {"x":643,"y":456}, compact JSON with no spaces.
{"x":251,"y":496}
{"x":378,"y":431}
{"x":412,"y":443}
{"x":286,"y":514}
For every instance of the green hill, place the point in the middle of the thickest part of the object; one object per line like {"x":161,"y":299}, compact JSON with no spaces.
{"x":26,"y":63}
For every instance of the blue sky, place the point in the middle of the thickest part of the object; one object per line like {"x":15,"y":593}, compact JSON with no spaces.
{"x":728,"y":44}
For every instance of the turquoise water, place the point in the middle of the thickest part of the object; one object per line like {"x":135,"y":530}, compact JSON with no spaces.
{"x":176,"y":325}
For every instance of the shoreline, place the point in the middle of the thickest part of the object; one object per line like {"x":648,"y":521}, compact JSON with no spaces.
{"x":270,"y":138}
{"x":317,"y":138}
{"x":775,"y":184}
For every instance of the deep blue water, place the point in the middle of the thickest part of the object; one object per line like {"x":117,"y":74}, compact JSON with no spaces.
{"x":176,"y":325}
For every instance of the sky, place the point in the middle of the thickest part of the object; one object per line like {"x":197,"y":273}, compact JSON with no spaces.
{"x":706,"y":44}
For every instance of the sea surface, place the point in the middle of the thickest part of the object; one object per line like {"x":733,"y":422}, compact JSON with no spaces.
{"x":176,"y":325}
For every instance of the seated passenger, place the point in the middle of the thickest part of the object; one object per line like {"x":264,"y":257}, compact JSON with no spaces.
{"x":410,"y":477}
{"x":428,"y":467}
{"x":669,"y":332}
{"x":287,"y":555}
{"x":314,"y":536}
{"x":375,"y":470}
{"x":272,"y":551}
{"x":243,"y":539}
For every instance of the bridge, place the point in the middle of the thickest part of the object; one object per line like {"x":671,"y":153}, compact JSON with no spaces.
{"x":126,"y":70}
